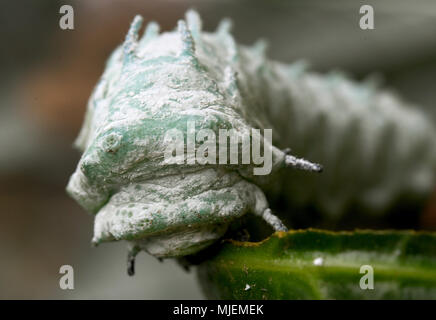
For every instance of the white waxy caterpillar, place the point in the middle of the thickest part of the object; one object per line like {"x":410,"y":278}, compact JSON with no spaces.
{"x":373,"y":146}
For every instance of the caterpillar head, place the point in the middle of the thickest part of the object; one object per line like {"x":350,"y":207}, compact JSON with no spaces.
{"x":155,"y":90}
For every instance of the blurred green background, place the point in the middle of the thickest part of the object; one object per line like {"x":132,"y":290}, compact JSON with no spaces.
{"x":48,"y":75}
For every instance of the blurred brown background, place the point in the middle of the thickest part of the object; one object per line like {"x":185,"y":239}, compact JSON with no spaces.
{"x":47,"y":77}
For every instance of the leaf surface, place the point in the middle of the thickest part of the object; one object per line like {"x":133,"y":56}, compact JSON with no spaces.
{"x":315,"y":264}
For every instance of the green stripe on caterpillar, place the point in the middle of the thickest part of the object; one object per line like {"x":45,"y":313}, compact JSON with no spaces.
{"x":162,"y":81}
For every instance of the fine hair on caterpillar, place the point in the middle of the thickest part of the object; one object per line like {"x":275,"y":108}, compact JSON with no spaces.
{"x":156,"y":172}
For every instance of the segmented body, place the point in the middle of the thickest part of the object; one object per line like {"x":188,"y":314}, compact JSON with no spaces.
{"x":373,"y":147}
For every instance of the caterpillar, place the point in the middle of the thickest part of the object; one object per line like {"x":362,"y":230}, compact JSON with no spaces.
{"x":372,"y":145}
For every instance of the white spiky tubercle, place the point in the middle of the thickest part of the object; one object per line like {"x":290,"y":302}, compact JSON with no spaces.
{"x":373,"y":146}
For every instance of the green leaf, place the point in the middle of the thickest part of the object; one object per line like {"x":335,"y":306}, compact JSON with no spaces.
{"x":315,"y":264}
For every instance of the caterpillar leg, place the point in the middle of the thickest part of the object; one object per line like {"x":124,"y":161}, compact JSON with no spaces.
{"x":273,"y":220}
{"x":131,"y":255}
{"x":300,"y":163}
